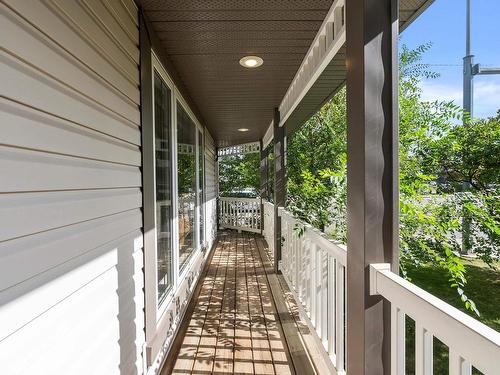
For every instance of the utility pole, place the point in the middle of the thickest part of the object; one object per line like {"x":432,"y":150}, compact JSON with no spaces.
{"x":468,"y":62}
{"x":470,"y":70}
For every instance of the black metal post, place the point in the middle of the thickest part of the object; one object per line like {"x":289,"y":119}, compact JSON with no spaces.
{"x":372,"y":175}
{"x":279,"y":182}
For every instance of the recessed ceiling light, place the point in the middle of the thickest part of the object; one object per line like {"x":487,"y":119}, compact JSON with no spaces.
{"x":243,"y":129}
{"x":251,"y":61}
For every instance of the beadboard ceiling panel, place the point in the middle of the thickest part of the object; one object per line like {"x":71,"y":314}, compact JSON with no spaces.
{"x":205,"y":39}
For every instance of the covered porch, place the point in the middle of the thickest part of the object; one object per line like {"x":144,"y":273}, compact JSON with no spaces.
{"x":349,"y":297}
{"x":115,"y":243}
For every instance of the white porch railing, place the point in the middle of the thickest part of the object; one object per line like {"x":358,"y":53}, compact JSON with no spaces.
{"x":470,"y":342}
{"x":268,"y":227}
{"x":240,"y":213}
{"x":314,"y":268}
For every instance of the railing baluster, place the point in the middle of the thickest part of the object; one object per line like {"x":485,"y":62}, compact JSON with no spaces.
{"x":312,"y":282}
{"x":224,"y":218}
{"x":231,"y":214}
{"x":317,"y":291}
{"x":331,"y":307}
{"x":423,"y":350}
{"x":339,"y":314}
{"x":301,"y":270}
{"x":398,"y":342}
{"x":324,"y":299}
{"x":458,"y":365}
{"x":288,"y":246}
{"x":291,"y":269}
{"x":251,"y":210}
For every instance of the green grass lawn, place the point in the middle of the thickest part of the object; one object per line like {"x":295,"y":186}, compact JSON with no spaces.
{"x":483,"y":287}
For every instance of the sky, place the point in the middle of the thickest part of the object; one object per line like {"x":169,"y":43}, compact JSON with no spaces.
{"x":443,"y":24}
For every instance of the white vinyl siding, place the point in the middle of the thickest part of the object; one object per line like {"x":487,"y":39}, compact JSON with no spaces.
{"x":71,"y":259}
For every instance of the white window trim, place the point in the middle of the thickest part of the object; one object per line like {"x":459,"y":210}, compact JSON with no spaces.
{"x":156,"y":314}
{"x":159,"y":310}
{"x":182,"y":273}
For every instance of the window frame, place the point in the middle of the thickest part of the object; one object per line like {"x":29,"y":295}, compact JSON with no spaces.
{"x":156,"y":312}
{"x":199,"y":129}
{"x":160,"y":308}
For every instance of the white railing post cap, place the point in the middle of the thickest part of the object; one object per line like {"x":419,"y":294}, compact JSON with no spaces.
{"x":374,"y":269}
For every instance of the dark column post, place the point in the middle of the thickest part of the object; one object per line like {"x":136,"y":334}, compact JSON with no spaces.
{"x":263,"y":182}
{"x":279,"y":182}
{"x":372,"y":175}
{"x":217,"y":191}
{"x":263,"y":171}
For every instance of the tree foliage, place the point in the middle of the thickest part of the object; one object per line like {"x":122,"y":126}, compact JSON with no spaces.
{"x":437,"y":156}
{"x":316,"y":162}
{"x":238,"y":173}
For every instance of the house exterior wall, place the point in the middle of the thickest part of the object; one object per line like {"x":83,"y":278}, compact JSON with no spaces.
{"x":71,"y":279}
{"x":72,"y":262}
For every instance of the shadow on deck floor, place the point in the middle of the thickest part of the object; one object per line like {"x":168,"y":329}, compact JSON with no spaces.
{"x":233,"y":326}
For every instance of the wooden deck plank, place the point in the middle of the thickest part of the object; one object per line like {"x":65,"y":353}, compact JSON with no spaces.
{"x":287,"y":326}
{"x":263,"y":360}
{"x":243,"y":358}
{"x":205,"y":356}
{"x":234,"y":327}
{"x":192,"y":334}
{"x":223,"y":363}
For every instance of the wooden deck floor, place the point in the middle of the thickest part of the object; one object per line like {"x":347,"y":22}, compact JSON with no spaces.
{"x":234,"y":327}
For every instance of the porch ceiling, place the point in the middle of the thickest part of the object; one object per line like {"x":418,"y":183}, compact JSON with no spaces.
{"x":206,"y":39}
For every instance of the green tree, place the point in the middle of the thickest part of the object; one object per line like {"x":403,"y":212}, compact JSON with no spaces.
{"x":239,"y":172}
{"x":429,"y":222}
{"x":469,"y":154}
{"x":316,"y":161}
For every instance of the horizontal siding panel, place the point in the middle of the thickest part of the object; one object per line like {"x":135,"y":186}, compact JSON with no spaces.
{"x":37,"y":13}
{"x":24,"y":214}
{"x":102,"y":15}
{"x":26,"y":170}
{"x":73,"y":12}
{"x":132,"y":10}
{"x":80,"y":312}
{"x":23,"y":83}
{"x":23,"y":40}
{"x":124,"y":17}
{"x":41,"y":252}
{"x":82,"y":325}
{"x":22,"y":126}
{"x":25,"y":302}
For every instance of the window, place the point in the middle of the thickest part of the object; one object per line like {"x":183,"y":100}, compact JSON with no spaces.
{"x":173,"y":189}
{"x":186,"y":172}
{"x":163,"y":186}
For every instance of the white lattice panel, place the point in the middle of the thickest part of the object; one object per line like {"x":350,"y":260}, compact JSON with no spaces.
{"x":246,"y":148}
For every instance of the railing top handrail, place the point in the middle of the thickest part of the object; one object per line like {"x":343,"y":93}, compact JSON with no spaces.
{"x":334,"y":248}
{"x":240,"y":199}
{"x":466,"y":336}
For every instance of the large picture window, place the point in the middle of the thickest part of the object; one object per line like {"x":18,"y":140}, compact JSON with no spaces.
{"x":186,"y":172}
{"x":163,"y":186}
{"x":173,"y":188}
